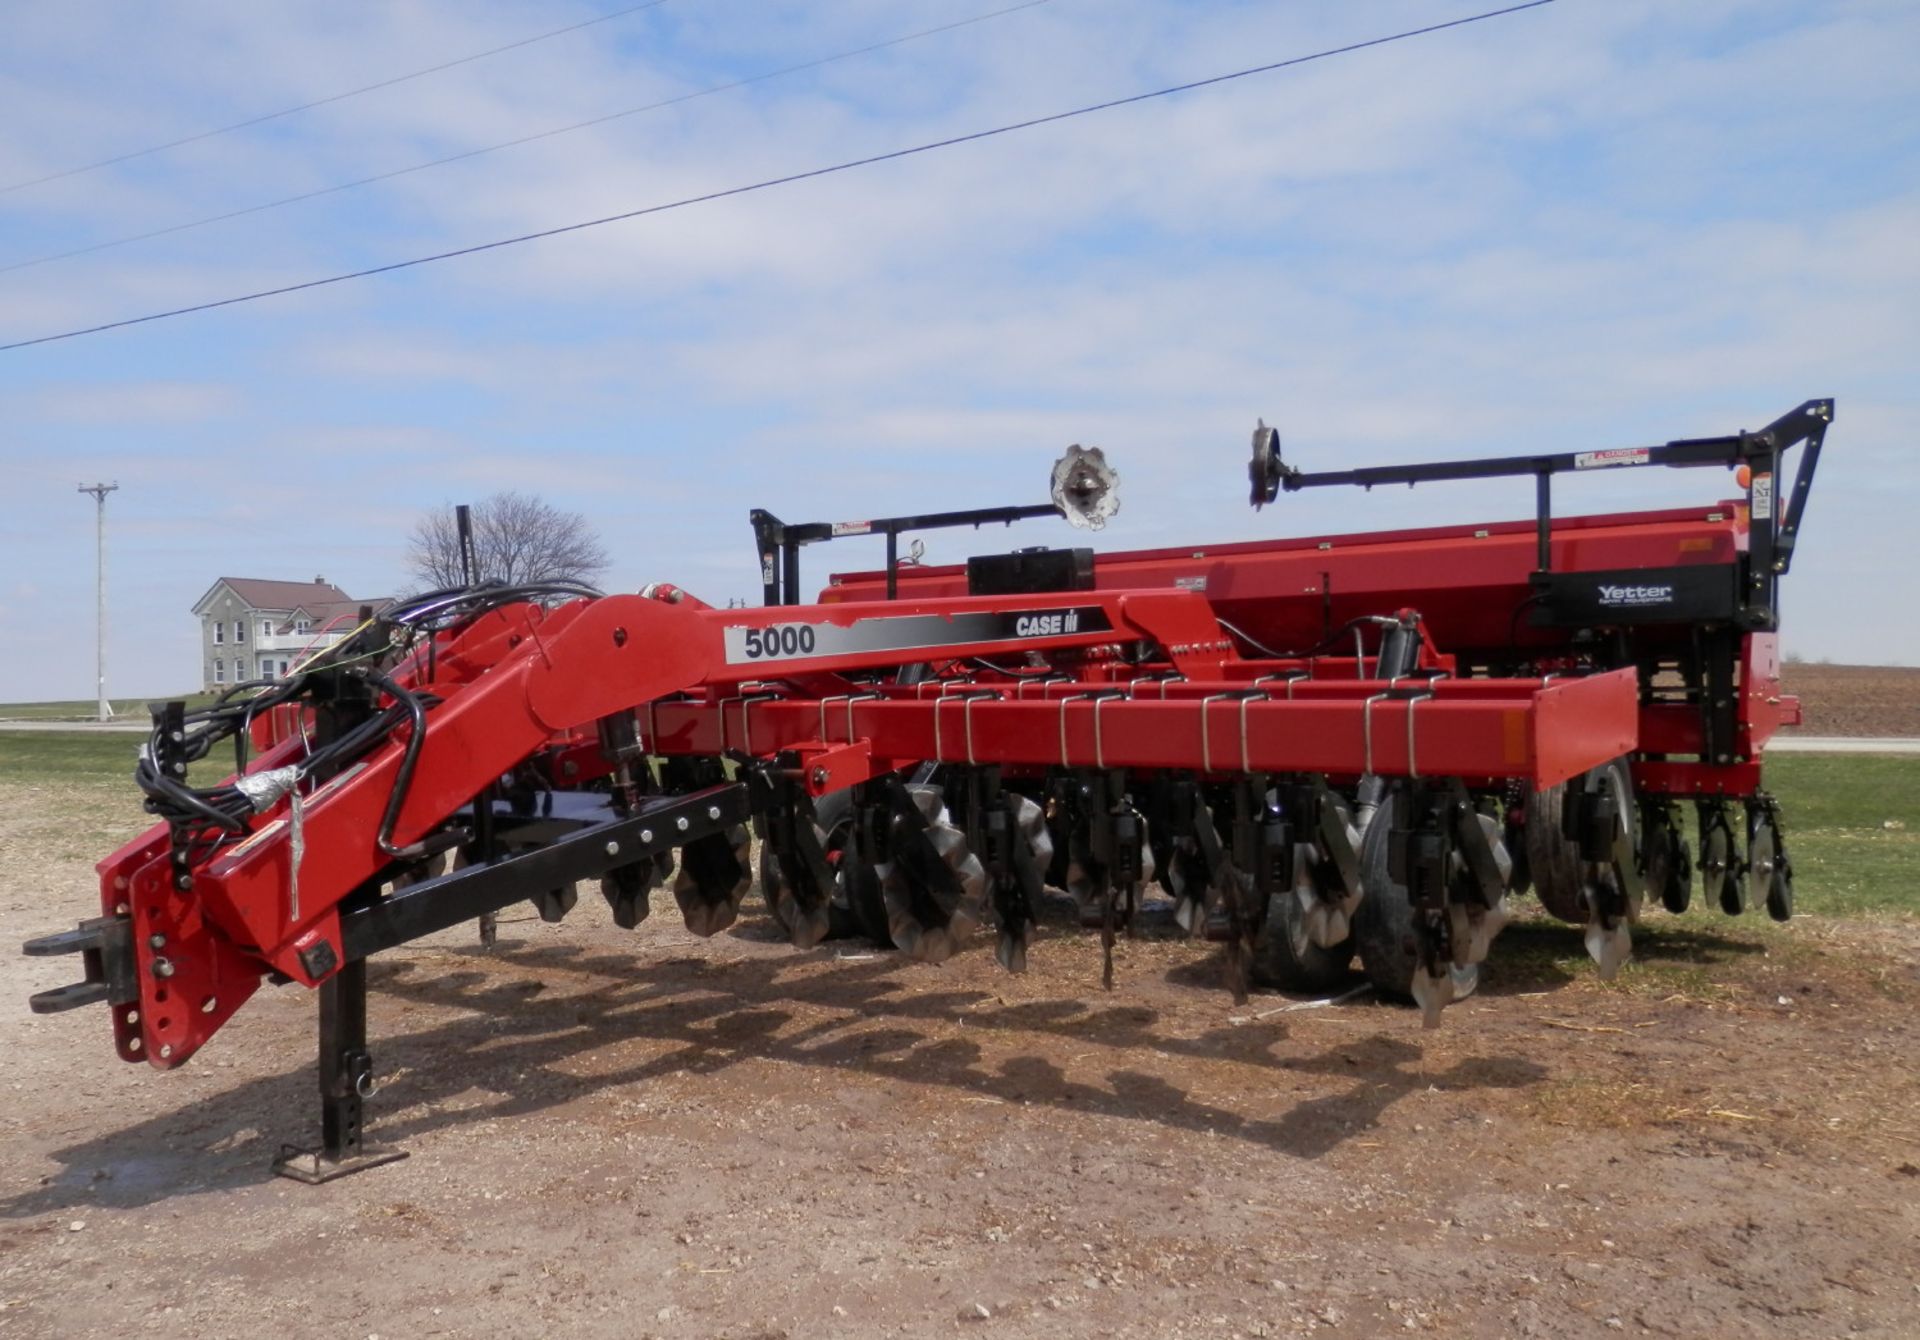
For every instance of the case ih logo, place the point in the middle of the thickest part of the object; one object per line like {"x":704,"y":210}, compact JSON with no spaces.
{"x":1047,"y":625}
{"x":1617,"y":597}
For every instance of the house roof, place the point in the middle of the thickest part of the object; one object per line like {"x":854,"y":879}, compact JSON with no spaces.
{"x":263,"y":593}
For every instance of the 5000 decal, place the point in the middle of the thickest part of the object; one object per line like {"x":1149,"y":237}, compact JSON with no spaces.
{"x":792,"y":639}
{"x":908,"y":632}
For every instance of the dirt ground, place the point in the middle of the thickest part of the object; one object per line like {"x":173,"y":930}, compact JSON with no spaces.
{"x":642,"y":1134}
{"x":1856,"y":699}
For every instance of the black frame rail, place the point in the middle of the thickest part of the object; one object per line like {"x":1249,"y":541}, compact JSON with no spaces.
{"x":1771,"y":545}
{"x":779,"y":542}
{"x":589,"y":851}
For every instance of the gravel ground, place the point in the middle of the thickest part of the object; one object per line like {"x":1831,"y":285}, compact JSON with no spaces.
{"x":644,"y":1134}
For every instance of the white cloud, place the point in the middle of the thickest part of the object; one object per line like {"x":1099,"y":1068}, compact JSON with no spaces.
{"x":134,"y":403}
{"x":1591,"y":224}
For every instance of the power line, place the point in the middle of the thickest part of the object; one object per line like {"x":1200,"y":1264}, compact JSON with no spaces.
{"x":330,"y":98}
{"x":788,"y":179}
{"x":709,"y":91}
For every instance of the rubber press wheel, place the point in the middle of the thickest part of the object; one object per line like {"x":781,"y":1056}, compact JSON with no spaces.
{"x":1553,"y":862}
{"x":1383,"y":923}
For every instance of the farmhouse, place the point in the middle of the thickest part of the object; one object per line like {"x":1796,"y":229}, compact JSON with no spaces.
{"x":257,"y":627}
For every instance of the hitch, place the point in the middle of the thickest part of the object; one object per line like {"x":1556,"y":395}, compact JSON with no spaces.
{"x":105,"y":946}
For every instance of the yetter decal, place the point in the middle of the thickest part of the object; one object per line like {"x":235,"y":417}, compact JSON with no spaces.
{"x":1635,"y":597}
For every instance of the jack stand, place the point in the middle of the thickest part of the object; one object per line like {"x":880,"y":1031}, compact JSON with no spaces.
{"x":346,"y":1081}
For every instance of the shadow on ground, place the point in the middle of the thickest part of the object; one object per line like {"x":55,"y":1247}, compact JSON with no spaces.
{"x":1536,"y":954}
{"x":514,"y":1035}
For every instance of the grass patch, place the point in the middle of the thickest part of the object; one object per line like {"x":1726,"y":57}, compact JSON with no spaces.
{"x":1853,"y":829}
{"x":1852,"y":820}
{"x":89,"y":758}
{"x":105,"y":758}
{"x":1689,"y":957}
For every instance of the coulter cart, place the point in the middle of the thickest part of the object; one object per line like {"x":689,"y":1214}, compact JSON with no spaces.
{"x":1320,"y":752}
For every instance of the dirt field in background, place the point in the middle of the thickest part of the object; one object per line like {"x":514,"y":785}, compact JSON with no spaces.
{"x":1856,"y":699}
{"x":641,"y":1134}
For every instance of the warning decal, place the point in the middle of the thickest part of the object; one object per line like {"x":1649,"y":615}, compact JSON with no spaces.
{"x":1596,"y":460}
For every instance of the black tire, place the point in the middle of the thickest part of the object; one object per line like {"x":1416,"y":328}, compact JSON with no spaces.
{"x":1276,"y":964}
{"x":1553,"y":863}
{"x":1383,"y":923}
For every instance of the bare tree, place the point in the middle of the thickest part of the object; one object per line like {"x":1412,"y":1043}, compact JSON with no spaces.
{"x":516,"y":538}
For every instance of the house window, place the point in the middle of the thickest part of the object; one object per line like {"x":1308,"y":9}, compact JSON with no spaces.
{"x":219,"y":672}
{"x":266,"y":628}
{"x":283,"y":669}
{"x":266,"y":667}
{"x":302,"y":627}
{"x":239,"y":630}
{"x":219,"y":631}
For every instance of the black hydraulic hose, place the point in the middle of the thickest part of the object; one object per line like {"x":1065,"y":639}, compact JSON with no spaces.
{"x":280,"y":692}
{"x":455,"y":603}
{"x":162,"y":791}
{"x":403,"y":779}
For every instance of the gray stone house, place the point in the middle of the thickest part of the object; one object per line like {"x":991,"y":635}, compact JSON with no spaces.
{"x":256,"y":628}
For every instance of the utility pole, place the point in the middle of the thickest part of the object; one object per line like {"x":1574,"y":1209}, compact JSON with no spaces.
{"x":100,"y":492}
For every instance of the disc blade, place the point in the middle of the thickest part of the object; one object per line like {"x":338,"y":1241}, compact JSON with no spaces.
{"x":714,"y":877}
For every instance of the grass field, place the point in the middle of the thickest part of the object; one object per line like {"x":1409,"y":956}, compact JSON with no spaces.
{"x":103,"y":760}
{"x":1852,"y":821}
{"x":77,"y":710}
{"x":1853,"y":829}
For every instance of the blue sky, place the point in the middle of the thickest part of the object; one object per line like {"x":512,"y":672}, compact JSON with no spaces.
{"x":1600,"y":223}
